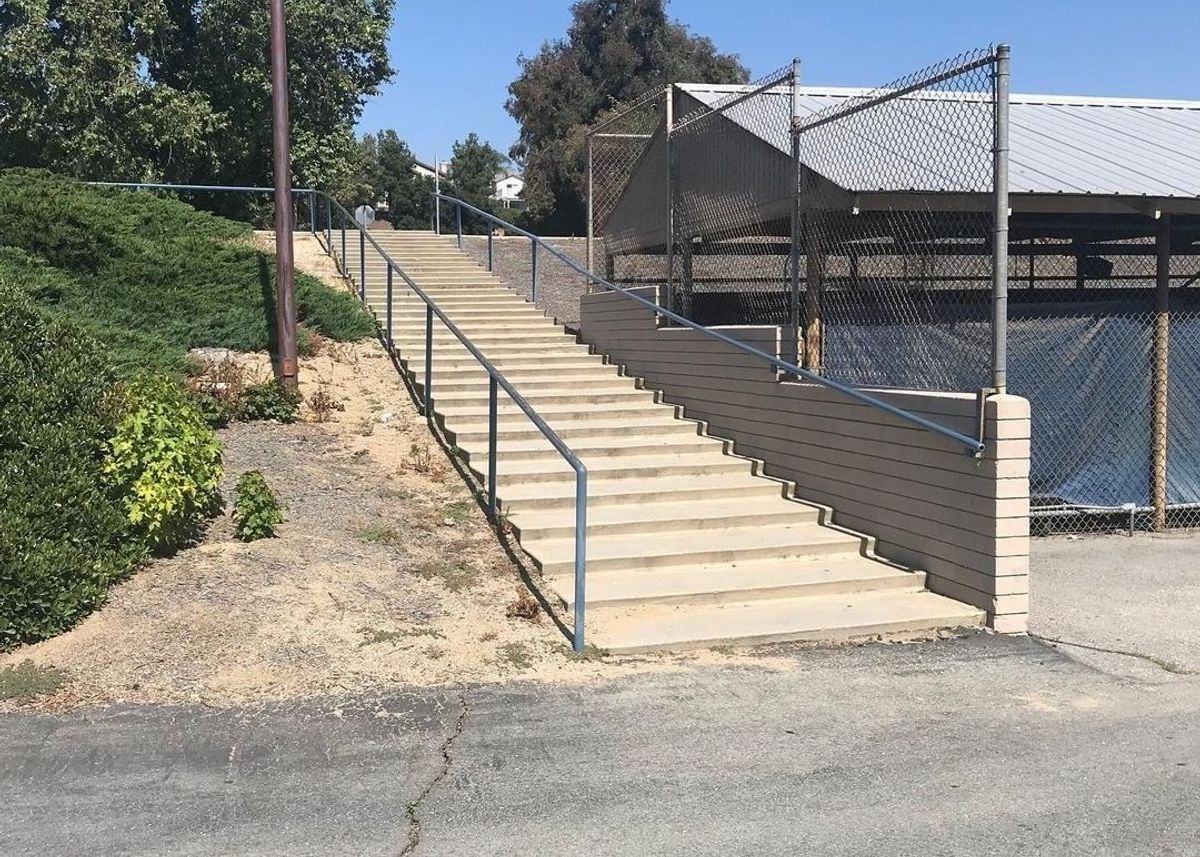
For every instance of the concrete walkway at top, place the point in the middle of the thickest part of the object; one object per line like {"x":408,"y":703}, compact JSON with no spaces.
{"x":972,"y":746}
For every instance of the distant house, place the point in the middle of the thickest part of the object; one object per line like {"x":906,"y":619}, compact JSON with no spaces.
{"x":508,"y":189}
{"x":426,"y":170}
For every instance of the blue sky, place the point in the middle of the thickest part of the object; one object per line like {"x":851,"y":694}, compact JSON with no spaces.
{"x":454,"y":59}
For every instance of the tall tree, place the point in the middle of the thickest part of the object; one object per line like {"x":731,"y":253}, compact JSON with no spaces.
{"x":614,"y":50}
{"x":180,"y":89}
{"x":473,"y":167}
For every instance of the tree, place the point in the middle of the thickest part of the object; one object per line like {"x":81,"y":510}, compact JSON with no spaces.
{"x":614,"y":51}
{"x":473,"y":167}
{"x":179,"y":90}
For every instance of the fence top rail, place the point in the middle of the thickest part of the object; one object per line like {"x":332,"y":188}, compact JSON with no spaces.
{"x":973,"y":445}
{"x":649,"y":96}
{"x":875,"y":97}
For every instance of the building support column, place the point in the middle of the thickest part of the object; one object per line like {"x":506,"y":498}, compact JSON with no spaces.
{"x":814,"y":287}
{"x":1160,"y":368}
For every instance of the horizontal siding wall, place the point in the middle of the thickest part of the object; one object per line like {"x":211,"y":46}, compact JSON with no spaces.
{"x":927,"y":502}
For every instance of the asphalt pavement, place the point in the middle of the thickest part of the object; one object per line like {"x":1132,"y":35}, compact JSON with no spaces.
{"x":971,"y":746}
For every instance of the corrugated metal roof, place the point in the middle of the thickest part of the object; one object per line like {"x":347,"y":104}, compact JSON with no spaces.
{"x":1059,"y":144}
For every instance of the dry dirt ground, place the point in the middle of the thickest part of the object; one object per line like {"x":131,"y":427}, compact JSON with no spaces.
{"x":386,"y":573}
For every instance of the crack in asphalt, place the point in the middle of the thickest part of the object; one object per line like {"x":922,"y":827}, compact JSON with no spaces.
{"x":1162,"y":663}
{"x":412,"y":807}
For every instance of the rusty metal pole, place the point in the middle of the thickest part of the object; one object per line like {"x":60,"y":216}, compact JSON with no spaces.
{"x":1162,"y":335}
{"x":285,"y":283}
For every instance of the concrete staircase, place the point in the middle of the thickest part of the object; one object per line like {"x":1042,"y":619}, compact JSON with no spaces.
{"x":688,"y":544}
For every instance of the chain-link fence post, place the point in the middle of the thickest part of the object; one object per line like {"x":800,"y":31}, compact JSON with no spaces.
{"x":1162,"y":336}
{"x":792,"y":349}
{"x":1000,"y":225}
{"x":591,"y":210}
{"x":668,"y":296}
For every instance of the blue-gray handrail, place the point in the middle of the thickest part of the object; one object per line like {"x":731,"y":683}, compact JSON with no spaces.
{"x":974,"y":445}
{"x":495,"y":377}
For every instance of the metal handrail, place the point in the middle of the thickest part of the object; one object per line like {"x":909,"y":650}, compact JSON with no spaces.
{"x":972,"y":444}
{"x":495,"y":378}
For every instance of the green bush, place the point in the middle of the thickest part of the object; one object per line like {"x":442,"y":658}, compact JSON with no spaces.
{"x":64,"y":537}
{"x":151,"y":276}
{"x":269,"y":400}
{"x":256,"y":511}
{"x":165,"y":461}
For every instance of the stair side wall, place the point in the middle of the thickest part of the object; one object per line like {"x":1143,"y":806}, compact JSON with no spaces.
{"x":928,"y":503}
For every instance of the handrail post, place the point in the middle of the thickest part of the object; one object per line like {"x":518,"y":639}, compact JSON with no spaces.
{"x":533,"y":279}
{"x":490,"y":248}
{"x":345,"y":265}
{"x":429,"y":362}
{"x":580,"y":556}
{"x":458,"y":223}
{"x":312,"y":212}
{"x":389,"y":306}
{"x":362,"y":262}
{"x":329,"y":223}
{"x":492,"y":444}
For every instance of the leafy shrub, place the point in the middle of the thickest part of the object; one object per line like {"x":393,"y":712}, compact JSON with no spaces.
{"x":256,"y":511}
{"x":64,"y":537}
{"x":270,"y":400}
{"x":151,"y":276}
{"x":165,"y":462}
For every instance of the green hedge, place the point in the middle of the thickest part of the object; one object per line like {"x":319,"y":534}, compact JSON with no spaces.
{"x":65,"y":534}
{"x":150,"y":275}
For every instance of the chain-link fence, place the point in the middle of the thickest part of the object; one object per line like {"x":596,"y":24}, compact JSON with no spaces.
{"x":870,"y":226}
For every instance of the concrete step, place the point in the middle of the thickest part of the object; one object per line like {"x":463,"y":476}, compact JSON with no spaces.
{"x":619,"y":396}
{"x":508,"y":450}
{"x":477,"y":384}
{"x":554,"y":415}
{"x":661,"y":424}
{"x":740,"y":582}
{"x":608,"y":492}
{"x":669,"y":516}
{"x":648,"y":552}
{"x":828,"y":618}
{"x":548,"y":471}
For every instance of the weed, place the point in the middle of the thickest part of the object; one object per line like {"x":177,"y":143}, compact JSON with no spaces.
{"x":435,"y":653}
{"x":374,"y":636}
{"x":379,"y":534}
{"x":27,"y":680}
{"x":488,"y":636}
{"x":390,"y":493}
{"x":458,"y":511}
{"x":309,"y":343}
{"x":420,"y":460}
{"x":360,"y":454}
{"x":365,"y":427}
{"x":322,"y":404}
{"x":590,"y":653}
{"x":454,"y":576}
{"x":515,"y":655}
{"x":524,"y":607}
{"x":256,"y":511}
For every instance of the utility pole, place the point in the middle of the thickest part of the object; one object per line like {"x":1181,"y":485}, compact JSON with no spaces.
{"x":285,"y":280}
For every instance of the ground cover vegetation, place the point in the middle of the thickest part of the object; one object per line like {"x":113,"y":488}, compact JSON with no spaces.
{"x":107,"y":456}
